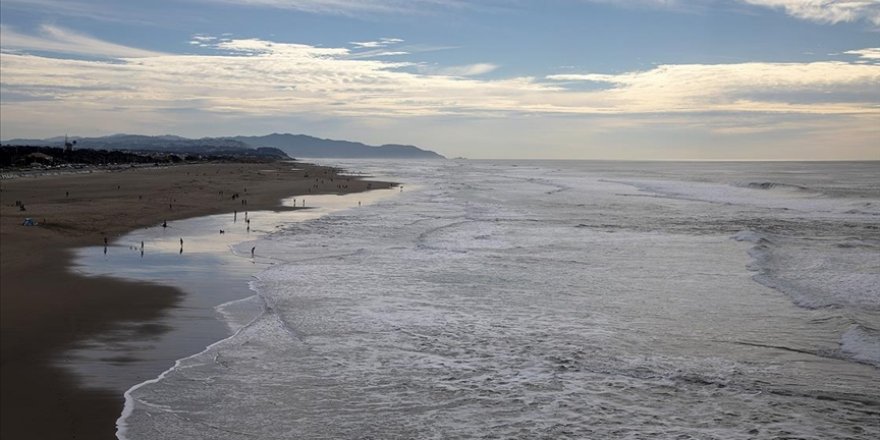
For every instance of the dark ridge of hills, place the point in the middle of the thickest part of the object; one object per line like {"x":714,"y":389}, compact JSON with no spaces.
{"x":270,"y":145}
{"x":149,"y":144}
{"x":300,"y":145}
{"x":19,"y":156}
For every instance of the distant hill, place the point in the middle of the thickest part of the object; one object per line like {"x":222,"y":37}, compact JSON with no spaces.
{"x":37,"y":157}
{"x":274,"y":144}
{"x":167,"y":143}
{"x":300,"y":145}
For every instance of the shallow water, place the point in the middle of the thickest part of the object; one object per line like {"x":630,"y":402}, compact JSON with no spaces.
{"x":211,"y":269}
{"x":554,"y":300}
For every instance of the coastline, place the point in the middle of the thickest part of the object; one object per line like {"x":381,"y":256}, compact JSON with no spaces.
{"x":47,"y":308}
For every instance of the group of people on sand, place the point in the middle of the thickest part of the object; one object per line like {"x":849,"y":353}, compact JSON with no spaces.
{"x":222,"y":231}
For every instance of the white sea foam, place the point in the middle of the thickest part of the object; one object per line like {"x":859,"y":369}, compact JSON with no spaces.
{"x":236,"y":314}
{"x":132,"y":403}
{"x":863,"y":344}
{"x":733,"y":194}
{"x":536,"y":302}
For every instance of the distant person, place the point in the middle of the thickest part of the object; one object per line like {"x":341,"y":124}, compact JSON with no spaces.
{"x":252,"y":251}
{"x":164,"y":223}
{"x":181,"y":242}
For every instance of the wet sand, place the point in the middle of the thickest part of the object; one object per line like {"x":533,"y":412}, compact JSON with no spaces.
{"x":45,"y":309}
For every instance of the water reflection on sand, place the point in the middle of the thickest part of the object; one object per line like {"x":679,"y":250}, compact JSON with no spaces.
{"x":211,"y":268}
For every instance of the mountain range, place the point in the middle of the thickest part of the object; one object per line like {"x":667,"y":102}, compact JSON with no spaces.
{"x":294,"y":145}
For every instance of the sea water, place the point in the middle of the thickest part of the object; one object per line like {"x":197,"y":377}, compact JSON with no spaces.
{"x":553,"y":300}
{"x":211,"y":270}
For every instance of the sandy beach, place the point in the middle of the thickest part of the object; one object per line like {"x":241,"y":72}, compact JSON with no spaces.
{"x":46,"y":308}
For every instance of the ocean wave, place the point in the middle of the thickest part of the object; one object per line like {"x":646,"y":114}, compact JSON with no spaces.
{"x":817,"y":272}
{"x":861,"y":344}
{"x":751,"y":237}
{"x":772,"y":185}
{"x":473,"y":309}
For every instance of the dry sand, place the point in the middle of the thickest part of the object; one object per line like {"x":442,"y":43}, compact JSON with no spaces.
{"x":44,"y":308}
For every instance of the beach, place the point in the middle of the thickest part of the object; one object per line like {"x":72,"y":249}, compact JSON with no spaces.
{"x":46,"y":308}
{"x":503,"y":299}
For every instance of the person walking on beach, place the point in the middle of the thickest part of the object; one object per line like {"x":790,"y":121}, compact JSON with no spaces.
{"x":164,"y":223}
{"x":181,"y":243}
{"x":252,"y":251}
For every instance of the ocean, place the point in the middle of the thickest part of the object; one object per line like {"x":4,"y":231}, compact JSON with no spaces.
{"x":548,"y":299}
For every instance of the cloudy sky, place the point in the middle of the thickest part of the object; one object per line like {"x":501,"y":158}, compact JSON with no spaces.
{"x":559,"y":79}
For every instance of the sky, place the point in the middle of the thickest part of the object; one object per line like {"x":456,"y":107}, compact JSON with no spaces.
{"x":520,"y":79}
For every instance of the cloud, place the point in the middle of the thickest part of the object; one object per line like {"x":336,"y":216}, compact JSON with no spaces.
{"x":819,"y":11}
{"x":377,"y":54}
{"x":680,"y":5}
{"x":819,"y":87}
{"x":352,"y":7}
{"x":377,"y":48}
{"x":826,"y":11}
{"x":367,"y":44}
{"x":64,"y":7}
{"x":870,"y":54}
{"x":254,"y":78}
{"x":466,"y":70}
{"x":238,"y":84}
{"x":203,"y":40}
{"x":382,"y":42}
{"x":59,"y":40}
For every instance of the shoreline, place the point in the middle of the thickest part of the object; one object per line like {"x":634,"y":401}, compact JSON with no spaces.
{"x":47,"y":308}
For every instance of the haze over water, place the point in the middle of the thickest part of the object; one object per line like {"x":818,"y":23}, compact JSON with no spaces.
{"x":554,"y":300}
